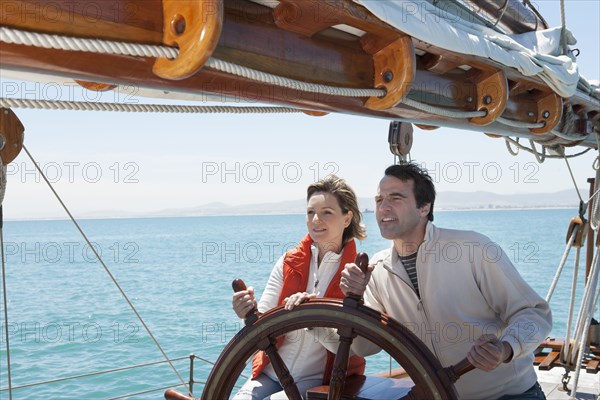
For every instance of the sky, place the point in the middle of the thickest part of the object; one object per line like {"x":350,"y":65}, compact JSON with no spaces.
{"x":100,"y":161}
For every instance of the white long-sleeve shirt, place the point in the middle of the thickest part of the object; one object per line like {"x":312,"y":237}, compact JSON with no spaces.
{"x":303,"y":354}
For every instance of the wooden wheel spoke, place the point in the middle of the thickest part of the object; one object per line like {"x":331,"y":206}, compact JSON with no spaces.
{"x":281,"y":370}
{"x":340,"y":365}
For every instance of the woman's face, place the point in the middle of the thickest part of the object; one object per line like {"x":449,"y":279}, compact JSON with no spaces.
{"x":326,"y":221}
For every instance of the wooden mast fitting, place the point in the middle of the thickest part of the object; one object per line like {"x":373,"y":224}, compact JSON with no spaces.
{"x":194,"y":26}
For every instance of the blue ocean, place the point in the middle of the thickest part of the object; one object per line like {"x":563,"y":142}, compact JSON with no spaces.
{"x":66,"y":316}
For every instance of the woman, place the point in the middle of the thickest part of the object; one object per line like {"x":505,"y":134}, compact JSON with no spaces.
{"x":312,"y":269}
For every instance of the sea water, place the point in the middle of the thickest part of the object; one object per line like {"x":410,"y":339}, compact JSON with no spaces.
{"x":67,"y":317}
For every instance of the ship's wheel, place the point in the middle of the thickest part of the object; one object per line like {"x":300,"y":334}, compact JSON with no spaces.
{"x":351,"y":319}
{"x":431,"y":380}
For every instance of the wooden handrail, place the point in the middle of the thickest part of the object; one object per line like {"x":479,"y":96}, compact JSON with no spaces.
{"x":173,"y":394}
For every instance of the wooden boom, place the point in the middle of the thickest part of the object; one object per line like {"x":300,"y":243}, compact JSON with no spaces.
{"x":295,"y":40}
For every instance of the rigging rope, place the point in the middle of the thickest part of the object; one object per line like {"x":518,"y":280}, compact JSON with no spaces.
{"x":5,"y":297}
{"x":132,"y":49}
{"x":594,"y":216}
{"x":574,"y":181}
{"x":5,"y":310}
{"x":549,"y":156}
{"x":564,"y":353}
{"x":563,"y":30}
{"x":537,"y":13}
{"x":568,"y":137}
{"x":2,"y":175}
{"x":595,"y":213}
{"x":108,"y":371}
{"x":588,"y":304}
{"x":151,"y":108}
{"x":123,"y":48}
{"x":166,"y":108}
{"x":551,"y":142}
{"x":562,"y":263}
{"x":96,"y":373}
{"x":60,"y":42}
{"x":442,"y":111}
{"x":509,"y":148}
{"x":517,"y":124}
{"x":105,"y":267}
{"x":501,"y":14}
{"x":539,"y":157}
{"x":592,"y":278}
{"x":271,"y":79}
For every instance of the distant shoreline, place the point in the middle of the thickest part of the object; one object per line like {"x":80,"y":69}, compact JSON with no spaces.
{"x":88,"y":218}
{"x":505,"y":209}
{"x":449,"y":201}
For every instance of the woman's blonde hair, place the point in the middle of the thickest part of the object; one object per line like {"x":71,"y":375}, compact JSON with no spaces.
{"x":347,"y":201}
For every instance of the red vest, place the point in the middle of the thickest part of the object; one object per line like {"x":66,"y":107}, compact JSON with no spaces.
{"x":296,"y":267}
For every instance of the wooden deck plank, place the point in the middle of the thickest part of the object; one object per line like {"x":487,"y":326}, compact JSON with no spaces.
{"x":549,"y":361}
{"x":592,"y":366}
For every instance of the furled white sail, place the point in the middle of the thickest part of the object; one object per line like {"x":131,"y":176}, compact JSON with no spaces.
{"x":532,"y":53}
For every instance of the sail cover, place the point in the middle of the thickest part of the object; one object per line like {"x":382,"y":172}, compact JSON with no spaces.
{"x":442,"y":25}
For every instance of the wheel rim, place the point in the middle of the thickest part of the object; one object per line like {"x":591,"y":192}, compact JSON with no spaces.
{"x":423,"y":368}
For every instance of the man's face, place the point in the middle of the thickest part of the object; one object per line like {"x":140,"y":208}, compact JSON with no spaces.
{"x":396,"y":209}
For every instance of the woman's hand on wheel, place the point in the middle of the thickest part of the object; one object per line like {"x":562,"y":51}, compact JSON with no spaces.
{"x":243,"y":302}
{"x":297,"y":299}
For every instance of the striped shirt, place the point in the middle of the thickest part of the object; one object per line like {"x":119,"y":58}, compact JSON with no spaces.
{"x":410,"y":264}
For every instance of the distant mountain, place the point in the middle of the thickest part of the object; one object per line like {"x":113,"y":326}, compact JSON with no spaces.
{"x":445,"y":201}
{"x":282,"y":207}
{"x":489,"y":200}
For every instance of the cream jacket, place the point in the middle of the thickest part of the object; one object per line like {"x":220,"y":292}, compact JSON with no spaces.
{"x":468,"y":288}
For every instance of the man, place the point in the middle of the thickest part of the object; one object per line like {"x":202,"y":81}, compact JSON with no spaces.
{"x":456,"y":290}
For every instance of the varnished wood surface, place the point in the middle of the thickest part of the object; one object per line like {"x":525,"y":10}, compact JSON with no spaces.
{"x":251,"y":37}
{"x":491,"y":95}
{"x":173,"y":394}
{"x":395,"y":69}
{"x":12,"y":131}
{"x":429,"y":377}
{"x":194,"y":27}
{"x":125,"y":20}
{"x":547,"y":356}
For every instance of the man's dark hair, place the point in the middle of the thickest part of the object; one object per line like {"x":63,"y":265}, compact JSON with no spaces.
{"x":423,"y":189}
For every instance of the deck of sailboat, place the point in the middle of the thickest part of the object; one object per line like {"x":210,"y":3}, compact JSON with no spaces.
{"x":588,"y":387}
